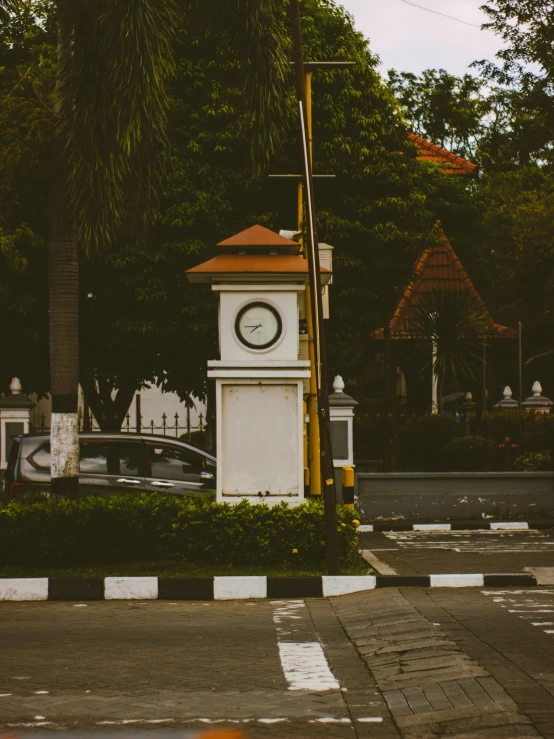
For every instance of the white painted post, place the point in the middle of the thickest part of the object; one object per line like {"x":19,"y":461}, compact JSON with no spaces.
{"x":434,"y":382}
{"x":15,"y":411}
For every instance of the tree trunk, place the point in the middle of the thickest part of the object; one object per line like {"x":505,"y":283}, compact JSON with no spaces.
{"x":440,"y":390}
{"x":63,"y":285}
{"x":387,"y":398}
{"x":64,"y":358}
{"x":109,"y":411}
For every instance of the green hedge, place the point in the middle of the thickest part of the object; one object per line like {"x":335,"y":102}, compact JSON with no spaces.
{"x":150,"y":527}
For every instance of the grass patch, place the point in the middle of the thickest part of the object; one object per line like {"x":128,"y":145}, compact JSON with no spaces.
{"x":179,"y":569}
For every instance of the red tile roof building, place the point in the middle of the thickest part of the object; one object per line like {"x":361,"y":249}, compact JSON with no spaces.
{"x":449,"y":163}
{"x":437,"y":269}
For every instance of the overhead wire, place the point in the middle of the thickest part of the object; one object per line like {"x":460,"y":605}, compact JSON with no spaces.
{"x":444,"y":15}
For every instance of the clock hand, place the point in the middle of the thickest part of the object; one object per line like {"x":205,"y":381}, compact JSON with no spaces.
{"x":255,"y":327}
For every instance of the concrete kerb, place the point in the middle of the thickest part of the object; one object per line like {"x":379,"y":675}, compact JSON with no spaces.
{"x":400,"y":526}
{"x":237,"y":588}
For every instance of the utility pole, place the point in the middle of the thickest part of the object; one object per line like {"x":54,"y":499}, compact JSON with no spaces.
{"x":315,"y":302}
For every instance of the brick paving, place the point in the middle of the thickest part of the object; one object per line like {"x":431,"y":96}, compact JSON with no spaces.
{"x":432,"y":686}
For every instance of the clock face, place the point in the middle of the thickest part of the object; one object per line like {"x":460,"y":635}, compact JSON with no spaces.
{"x":258,"y":325}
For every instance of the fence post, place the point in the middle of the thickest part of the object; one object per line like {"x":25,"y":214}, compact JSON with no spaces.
{"x":138,"y":414}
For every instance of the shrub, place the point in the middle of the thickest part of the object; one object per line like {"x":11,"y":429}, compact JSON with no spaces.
{"x":533,"y":432}
{"x":469,"y":454}
{"x":534,"y":462}
{"x":421,"y":442}
{"x":149,"y":527}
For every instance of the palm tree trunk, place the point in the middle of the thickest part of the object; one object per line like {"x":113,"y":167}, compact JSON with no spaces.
{"x":64,"y":359}
{"x":63,"y":285}
{"x":440,"y":389}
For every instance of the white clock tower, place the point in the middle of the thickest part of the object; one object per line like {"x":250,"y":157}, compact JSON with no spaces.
{"x":259,"y":377}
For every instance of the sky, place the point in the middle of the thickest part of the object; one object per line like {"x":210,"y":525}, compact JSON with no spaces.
{"x":411,"y":40}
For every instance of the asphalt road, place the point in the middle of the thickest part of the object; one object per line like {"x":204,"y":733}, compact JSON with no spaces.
{"x":410,"y":663}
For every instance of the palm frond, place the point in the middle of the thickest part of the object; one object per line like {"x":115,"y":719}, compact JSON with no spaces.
{"x":265,"y":63}
{"x":116,"y":59}
{"x":457,"y":326}
{"x":257,"y":36}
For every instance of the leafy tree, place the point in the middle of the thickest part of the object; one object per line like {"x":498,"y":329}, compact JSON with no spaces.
{"x":447,"y":110}
{"x":139,"y":318}
{"x":518,"y":213}
{"x":526,"y":71}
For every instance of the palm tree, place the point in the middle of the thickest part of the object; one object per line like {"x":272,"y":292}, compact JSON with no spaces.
{"x":110,"y":105}
{"x":456,"y":326}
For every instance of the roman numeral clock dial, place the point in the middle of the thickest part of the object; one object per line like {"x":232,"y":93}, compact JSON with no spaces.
{"x":258,"y":325}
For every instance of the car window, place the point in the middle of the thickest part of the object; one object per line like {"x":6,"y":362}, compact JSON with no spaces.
{"x":174,"y":464}
{"x":41,"y":457}
{"x":98,"y":457}
{"x":109,"y":458}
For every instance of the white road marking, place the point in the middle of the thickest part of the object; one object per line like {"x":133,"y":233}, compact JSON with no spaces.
{"x":330,"y":720}
{"x":41,"y":692}
{"x":306,"y":667}
{"x":513,"y":610}
{"x":516,"y":592}
{"x":5,"y":695}
{"x":139,"y":721}
{"x":370,"y":720}
{"x":498,"y":540}
{"x":271,"y":720}
{"x":304,"y":664}
{"x":529,"y":605}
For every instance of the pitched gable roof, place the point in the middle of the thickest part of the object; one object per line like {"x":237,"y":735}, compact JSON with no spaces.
{"x":450,"y":163}
{"x":437,"y":269}
{"x":258,"y":236}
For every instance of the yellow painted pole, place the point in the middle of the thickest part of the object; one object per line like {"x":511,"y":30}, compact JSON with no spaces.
{"x":314,"y":438}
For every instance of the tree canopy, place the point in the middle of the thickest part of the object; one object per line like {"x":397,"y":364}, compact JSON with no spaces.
{"x":140,"y":320}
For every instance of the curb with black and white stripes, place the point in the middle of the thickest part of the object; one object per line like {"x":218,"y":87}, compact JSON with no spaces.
{"x":236,"y":588}
{"x":489,"y":526}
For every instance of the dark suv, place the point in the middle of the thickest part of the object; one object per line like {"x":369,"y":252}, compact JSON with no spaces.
{"x":112,"y":462}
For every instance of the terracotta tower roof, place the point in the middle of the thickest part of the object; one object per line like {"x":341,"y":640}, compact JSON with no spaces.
{"x":437,"y":269}
{"x":258,"y":236}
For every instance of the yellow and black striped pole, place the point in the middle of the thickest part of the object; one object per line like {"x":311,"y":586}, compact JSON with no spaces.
{"x":348,"y":486}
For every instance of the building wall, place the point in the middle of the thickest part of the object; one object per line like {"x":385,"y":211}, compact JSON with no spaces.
{"x":153,"y":402}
